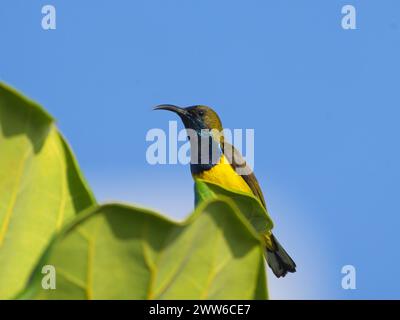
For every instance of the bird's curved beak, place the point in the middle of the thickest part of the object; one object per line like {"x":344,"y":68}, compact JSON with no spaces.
{"x":170,"y":107}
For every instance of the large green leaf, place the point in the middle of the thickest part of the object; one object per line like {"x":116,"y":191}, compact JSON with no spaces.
{"x":40,"y":187}
{"x":121,"y":252}
{"x":111,"y":251}
{"x":248,"y":205}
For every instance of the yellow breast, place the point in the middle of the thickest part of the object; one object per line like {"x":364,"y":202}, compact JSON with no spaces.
{"x":223,"y":174}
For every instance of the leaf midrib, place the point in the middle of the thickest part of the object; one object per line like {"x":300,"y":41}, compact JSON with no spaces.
{"x":14,"y":196}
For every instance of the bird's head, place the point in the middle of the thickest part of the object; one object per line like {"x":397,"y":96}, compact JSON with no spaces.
{"x":205,"y":132}
{"x":198,"y":118}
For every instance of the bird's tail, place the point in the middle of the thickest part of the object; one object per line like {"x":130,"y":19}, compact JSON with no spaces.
{"x":279,"y":260}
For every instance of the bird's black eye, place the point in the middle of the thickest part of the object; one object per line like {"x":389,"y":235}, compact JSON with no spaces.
{"x":201,"y":113}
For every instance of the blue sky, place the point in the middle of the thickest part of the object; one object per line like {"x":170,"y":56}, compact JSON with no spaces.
{"x":323,"y":101}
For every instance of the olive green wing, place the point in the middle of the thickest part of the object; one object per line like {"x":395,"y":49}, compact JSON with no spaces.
{"x":237,"y":161}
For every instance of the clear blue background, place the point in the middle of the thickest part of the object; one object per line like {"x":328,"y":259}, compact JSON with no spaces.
{"x":324,"y":103}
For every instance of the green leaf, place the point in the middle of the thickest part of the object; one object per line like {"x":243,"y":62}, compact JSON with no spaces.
{"x":41,"y":187}
{"x":121,"y":252}
{"x":111,"y":251}
{"x":248,"y":205}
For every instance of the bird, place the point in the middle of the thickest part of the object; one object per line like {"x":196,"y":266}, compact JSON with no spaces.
{"x":221,"y":166}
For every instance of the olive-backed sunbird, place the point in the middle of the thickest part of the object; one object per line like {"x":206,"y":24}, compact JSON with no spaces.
{"x":206,"y":124}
